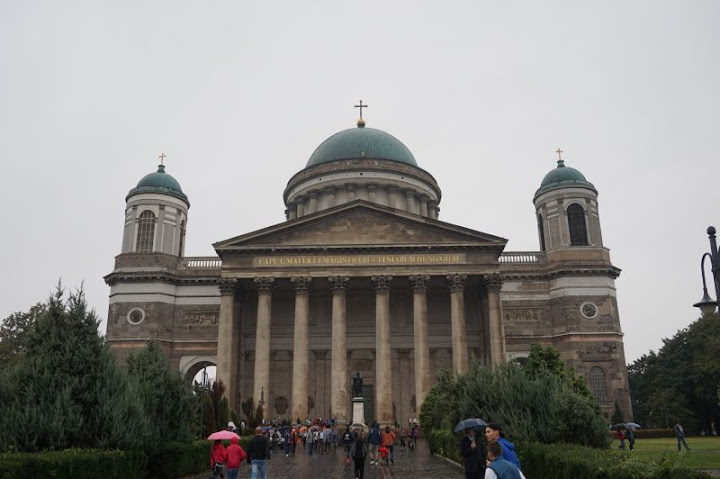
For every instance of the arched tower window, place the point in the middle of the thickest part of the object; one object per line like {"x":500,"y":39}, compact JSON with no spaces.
{"x":182,"y":238}
{"x":146,"y":232}
{"x":576,"y":223}
{"x":541,"y":231}
{"x":596,"y":377}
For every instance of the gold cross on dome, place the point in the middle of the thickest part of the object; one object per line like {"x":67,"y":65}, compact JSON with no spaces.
{"x":162,"y":157}
{"x":361,"y":106}
{"x":559,"y":152}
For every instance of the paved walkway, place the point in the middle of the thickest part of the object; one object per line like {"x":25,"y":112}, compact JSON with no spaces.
{"x":418,"y":464}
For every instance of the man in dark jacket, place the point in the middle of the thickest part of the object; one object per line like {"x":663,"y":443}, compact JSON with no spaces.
{"x":469,"y":449}
{"x":259,"y":454}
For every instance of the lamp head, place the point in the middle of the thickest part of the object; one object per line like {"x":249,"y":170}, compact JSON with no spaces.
{"x":706,"y":304}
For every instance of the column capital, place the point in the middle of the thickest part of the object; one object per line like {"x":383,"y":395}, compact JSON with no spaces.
{"x":338,"y":283}
{"x":493,"y":282}
{"x":227,"y":286}
{"x":456,"y":282}
{"x":302,"y":283}
{"x":264,"y":284}
{"x":419,"y":282}
{"x":381,"y":283}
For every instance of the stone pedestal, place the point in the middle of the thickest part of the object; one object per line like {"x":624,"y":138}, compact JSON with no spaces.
{"x":358,"y":416}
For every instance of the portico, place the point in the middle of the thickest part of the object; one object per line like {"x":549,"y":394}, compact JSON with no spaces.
{"x":412,"y":308}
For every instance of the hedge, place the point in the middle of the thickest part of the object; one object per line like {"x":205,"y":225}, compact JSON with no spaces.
{"x":571,"y":461}
{"x":75,"y":464}
{"x":172,"y":461}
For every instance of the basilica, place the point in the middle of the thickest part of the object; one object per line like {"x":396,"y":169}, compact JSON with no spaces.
{"x":364,"y":277}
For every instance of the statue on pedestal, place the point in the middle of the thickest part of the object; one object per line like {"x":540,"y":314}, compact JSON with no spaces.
{"x":357,"y":385}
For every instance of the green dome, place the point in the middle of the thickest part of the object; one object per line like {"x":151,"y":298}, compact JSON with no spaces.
{"x":563,"y":176}
{"x":361,"y":142}
{"x":159,"y":182}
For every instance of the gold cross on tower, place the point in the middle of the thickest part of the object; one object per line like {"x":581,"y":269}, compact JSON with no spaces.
{"x":361,"y":106}
{"x":162,"y":157}
{"x":559,"y":152}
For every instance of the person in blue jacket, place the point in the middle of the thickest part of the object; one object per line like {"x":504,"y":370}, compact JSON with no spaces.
{"x":498,"y":467}
{"x":374,"y":439}
{"x":494,"y":433}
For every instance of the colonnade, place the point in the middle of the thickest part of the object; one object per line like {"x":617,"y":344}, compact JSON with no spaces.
{"x":228,"y":340}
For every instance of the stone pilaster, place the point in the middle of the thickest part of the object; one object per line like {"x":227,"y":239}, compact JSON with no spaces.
{"x":261,"y":387}
{"x":228,"y":340}
{"x":383,"y":365}
{"x":456,"y":284}
{"x":300,"y":348}
{"x":339,"y":371}
{"x":423,"y":376}
{"x":493,"y":284}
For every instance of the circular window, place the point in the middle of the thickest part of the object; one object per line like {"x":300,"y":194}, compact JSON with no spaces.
{"x":136,"y":316}
{"x":589,"y":310}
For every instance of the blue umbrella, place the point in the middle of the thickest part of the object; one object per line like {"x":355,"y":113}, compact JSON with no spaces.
{"x":471,"y":423}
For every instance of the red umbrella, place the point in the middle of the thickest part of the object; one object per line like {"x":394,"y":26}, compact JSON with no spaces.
{"x":222,"y":436}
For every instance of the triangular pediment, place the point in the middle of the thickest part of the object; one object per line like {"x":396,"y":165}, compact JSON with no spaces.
{"x":360,"y":224}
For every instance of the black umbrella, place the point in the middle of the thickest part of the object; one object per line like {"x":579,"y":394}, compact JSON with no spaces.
{"x":470,"y":423}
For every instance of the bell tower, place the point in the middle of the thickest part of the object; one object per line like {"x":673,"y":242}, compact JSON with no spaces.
{"x":156,"y":215}
{"x":566,"y":207}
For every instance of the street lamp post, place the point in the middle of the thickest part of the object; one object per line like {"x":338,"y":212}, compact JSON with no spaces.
{"x":706,"y":304}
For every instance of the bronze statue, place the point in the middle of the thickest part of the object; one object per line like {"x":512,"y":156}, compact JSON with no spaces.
{"x":357,"y":385}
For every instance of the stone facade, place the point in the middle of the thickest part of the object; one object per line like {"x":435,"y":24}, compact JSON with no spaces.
{"x":354,"y":284}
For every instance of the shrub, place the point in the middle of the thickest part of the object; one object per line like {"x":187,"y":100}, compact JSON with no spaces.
{"x":175,"y":460}
{"x":542,"y":407}
{"x":74,"y":464}
{"x":445,"y":443}
{"x":569,"y":461}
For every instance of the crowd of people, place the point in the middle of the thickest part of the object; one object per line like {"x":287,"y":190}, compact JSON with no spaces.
{"x":313,"y":437}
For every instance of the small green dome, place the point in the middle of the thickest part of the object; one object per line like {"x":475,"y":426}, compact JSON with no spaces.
{"x":563,"y":176}
{"x":159,"y":182}
{"x":361,"y":142}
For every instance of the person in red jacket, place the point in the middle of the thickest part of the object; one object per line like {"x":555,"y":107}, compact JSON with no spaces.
{"x":217,"y":458}
{"x":234,"y":455}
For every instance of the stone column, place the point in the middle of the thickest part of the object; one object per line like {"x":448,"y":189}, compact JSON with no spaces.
{"x":261,"y":384}
{"x":493,"y":284}
{"x":392,"y":196}
{"x":383,"y":365}
{"x":411,"y":204}
{"x":291,"y":211}
{"x":330,"y":198}
{"x":227,"y":344}
{"x":350,"y":188}
{"x":433,"y":210}
{"x":423,"y":377}
{"x":339,"y":371}
{"x":300,"y":208}
{"x":456,"y":284}
{"x":424,"y":206}
{"x":313,"y":204}
{"x":300,"y":348}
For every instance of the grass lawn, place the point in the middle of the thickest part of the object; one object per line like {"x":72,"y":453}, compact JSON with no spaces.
{"x":704,"y":450}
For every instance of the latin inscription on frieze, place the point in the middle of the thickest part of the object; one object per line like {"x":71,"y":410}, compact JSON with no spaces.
{"x":525,"y":315}
{"x":358,"y":260}
{"x":598,"y":351}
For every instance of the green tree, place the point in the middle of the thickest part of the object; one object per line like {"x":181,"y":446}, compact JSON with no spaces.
{"x":66,"y":389}
{"x":13,"y":332}
{"x":168,"y":399}
{"x":679,"y":381}
{"x":537,"y":405}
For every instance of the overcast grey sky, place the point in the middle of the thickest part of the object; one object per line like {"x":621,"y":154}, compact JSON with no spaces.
{"x":238,"y":95}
